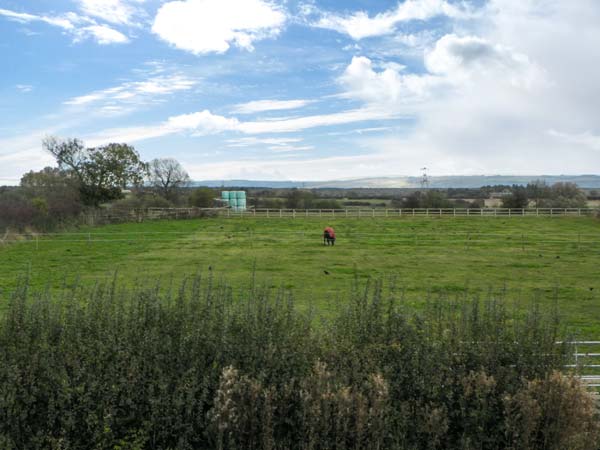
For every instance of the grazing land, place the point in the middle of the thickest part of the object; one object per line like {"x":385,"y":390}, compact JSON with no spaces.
{"x":540,"y":258}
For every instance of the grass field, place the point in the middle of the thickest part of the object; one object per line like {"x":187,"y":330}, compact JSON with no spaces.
{"x":530,"y":257}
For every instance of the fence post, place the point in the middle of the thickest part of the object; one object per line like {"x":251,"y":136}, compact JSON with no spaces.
{"x":509,"y":210}
{"x":267,"y":212}
{"x":293,"y":213}
{"x":280,"y":213}
{"x":346,"y":213}
{"x":454,"y":212}
{"x":36,"y":242}
{"x":320,"y":213}
{"x":386,"y":212}
{"x":579,"y":212}
{"x":333,"y":212}
{"x":373,"y":212}
{"x":400,"y":212}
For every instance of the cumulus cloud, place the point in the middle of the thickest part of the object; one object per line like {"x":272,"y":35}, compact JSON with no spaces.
{"x":79,"y":27}
{"x":464,"y":56}
{"x":212,"y":26}
{"x":269,"y":105}
{"x":388,"y":87}
{"x":360,"y":25}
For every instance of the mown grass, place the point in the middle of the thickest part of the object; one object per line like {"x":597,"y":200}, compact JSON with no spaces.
{"x":529,"y":257}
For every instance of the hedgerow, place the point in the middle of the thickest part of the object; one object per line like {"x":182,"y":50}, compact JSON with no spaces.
{"x":203,"y":367}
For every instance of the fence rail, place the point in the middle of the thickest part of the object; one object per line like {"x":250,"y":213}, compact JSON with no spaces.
{"x":139,"y":215}
{"x":586,"y":362}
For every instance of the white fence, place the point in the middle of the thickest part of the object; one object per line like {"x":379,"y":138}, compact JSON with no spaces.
{"x":140,"y":215}
{"x":586,"y":362}
{"x":417,"y":212}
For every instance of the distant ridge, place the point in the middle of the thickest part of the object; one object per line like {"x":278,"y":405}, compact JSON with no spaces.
{"x":454,"y":181}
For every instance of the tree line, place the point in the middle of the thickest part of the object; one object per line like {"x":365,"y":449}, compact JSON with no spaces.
{"x":87,"y":177}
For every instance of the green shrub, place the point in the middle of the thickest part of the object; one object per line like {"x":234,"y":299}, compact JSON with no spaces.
{"x":201,"y":368}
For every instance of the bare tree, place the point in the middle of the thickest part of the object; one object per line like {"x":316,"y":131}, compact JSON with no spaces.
{"x":167,"y":176}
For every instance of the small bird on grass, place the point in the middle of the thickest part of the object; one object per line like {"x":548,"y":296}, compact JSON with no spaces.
{"x":325,"y":272}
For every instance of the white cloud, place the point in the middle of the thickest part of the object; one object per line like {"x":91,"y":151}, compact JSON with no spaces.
{"x":135,"y":93}
{"x":205,"y":123}
{"x":24,"y":88}
{"x":60,"y":22}
{"x":102,"y":34}
{"x":269,"y":105}
{"x":360,"y":25}
{"x":253,"y":141}
{"x":387,"y":87}
{"x":462,"y":57}
{"x":80,"y":27}
{"x":201,"y":123}
{"x":114,"y":11}
{"x":212,"y":26}
{"x":587,"y":139}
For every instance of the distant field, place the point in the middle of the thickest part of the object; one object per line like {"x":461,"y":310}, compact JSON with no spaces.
{"x":530,"y":257}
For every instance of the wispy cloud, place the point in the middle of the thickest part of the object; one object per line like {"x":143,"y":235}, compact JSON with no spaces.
{"x":79,"y":27}
{"x":131,"y":94}
{"x":253,"y":141}
{"x":360,"y":25}
{"x":24,"y":88}
{"x":206,"y":123}
{"x":269,"y":105}
{"x":114,"y":11}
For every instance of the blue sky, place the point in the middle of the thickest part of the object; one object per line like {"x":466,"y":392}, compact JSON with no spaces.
{"x":311,"y":90}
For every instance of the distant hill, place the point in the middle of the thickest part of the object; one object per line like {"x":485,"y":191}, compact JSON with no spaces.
{"x":457,"y":181}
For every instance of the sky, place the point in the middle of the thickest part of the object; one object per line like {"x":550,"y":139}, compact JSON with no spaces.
{"x":306,"y":89}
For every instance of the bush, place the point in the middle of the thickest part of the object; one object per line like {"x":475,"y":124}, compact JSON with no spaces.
{"x":203,"y":368}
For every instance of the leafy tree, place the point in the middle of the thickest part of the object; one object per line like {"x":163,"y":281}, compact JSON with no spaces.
{"x":102,"y":172}
{"x":428,"y":199}
{"x":167,"y":176}
{"x":518,"y":198}
{"x":57,"y":190}
{"x":202,"y":198}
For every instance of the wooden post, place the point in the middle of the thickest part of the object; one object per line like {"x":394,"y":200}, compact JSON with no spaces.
{"x":373,"y":212}
{"x":267,"y":212}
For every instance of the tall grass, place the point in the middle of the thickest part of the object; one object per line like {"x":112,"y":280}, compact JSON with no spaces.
{"x":199,"y":367}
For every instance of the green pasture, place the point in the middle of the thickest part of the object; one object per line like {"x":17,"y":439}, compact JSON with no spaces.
{"x":530,"y":258}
